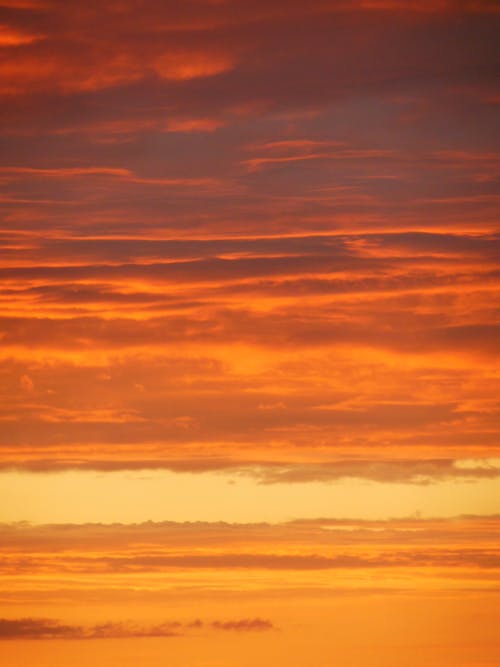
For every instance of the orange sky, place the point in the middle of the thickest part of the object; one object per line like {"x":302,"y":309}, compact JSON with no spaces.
{"x":249,"y":333}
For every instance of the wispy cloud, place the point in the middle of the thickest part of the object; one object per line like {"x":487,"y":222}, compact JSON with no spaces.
{"x":41,"y":628}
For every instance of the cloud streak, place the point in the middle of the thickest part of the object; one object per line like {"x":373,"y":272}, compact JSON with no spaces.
{"x":49,"y":629}
{"x":407,"y":471}
{"x":192,"y":549}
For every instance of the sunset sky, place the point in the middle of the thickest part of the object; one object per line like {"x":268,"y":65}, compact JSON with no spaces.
{"x":249,"y":332}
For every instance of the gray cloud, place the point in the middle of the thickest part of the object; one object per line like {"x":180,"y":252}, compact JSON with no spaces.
{"x":46,"y":629}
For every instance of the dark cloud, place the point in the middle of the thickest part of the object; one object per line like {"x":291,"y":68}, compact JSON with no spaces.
{"x":235,"y":47}
{"x":396,"y":471}
{"x":245,"y":625}
{"x":36,"y":628}
{"x":291,"y":328}
{"x":41,"y":628}
{"x":120,"y":251}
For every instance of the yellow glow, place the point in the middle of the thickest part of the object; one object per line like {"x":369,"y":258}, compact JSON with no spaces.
{"x":157,"y":495}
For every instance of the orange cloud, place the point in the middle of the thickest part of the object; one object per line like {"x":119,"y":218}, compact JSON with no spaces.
{"x":252,"y":249}
{"x":192,"y":66}
{"x":194,"y":125}
{"x":9,"y":37}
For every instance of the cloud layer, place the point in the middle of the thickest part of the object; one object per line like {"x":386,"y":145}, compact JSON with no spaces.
{"x":254,"y":242}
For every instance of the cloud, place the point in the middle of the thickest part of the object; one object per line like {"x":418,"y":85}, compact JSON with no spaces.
{"x":15,"y":38}
{"x":192,"y":66}
{"x":219,"y":555}
{"x":396,"y":471}
{"x":41,"y":628}
{"x":289,"y":328}
{"x":387,"y":471}
{"x":34,"y":628}
{"x":218,"y":58}
{"x":169,"y":536}
{"x":245,"y":625}
{"x":306,"y":560}
{"x":194,"y":125}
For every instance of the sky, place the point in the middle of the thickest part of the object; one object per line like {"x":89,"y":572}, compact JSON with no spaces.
{"x":249,"y":261}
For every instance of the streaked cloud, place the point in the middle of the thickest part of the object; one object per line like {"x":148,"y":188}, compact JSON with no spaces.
{"x":41,"y":628}
{"x":249,"y":272}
